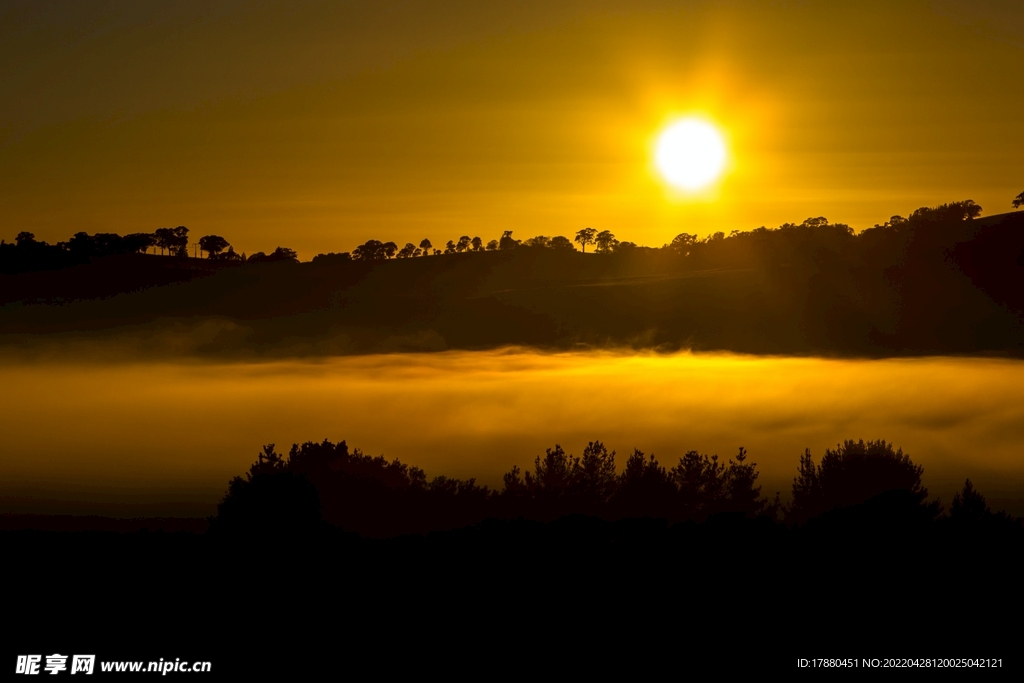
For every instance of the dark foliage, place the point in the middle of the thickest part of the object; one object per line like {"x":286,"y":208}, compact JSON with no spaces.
{"x":27,"y":254}
{"x":357,"y":492}
{"x":862,"y":487}
{"x":377,"y":497}
{"x":271,"y":499}
{"x":371,"y":250}
{"x":853,"y":573}
{"x":213,"y":245}
{"x":174,"y":240}
{"x":854,"y":473}
{"x":279,"y":255}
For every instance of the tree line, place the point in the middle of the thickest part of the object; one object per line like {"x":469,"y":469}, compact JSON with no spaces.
{"x":27,"y":253}
{"x":327,"y":482}
{"x":375,"y":250}
{"x":685,"y":244}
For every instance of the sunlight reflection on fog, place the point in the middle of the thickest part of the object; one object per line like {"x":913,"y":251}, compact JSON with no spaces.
{"x":164,"y":438}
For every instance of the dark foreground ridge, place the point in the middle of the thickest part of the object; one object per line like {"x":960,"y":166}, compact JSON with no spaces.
{"x":329,"y":556}
{"x":943,"y":281}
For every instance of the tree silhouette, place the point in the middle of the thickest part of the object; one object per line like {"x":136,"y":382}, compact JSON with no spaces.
{"x":593,"y":476}
{"x":85,"y":246}
{"x":180,"y":240}
{"x":463,"y":244}
{"x":507,"y":241}
{"x":861,"y":487}
{"x":683,"y":243}
{"x":700,"y":481}
{"x":139,"y":242}
{"x":562,"y":243}
{"x":174,"y":240}
{"x":230,"y":255}
{"x":371,"y":250}
{"x":278,"y":255}
{"x":806,"y":488}
{"x":1018,"y":201}
{"x":269,"y":500}
{"x":514,"y":486}
{"x":213,"y":244}
{"x":954,"y":211}
{"x":162,"y":237}
{"x":644,"y":488}
{"x":492,"y":245}
{"x":284,"y":254}
{"x":969,"y":506}
{"x":852,"y":473}
{"x":552,"y":473}
{"x":741,"y":493}
{"x":426,"y":246}
{"x":478,"y":244}
{"x":605,"y":242}
{"x":408,"y":251}
{"x":584,"y":237}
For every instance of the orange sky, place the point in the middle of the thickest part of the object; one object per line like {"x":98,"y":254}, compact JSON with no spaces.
{"x":319,"y":125}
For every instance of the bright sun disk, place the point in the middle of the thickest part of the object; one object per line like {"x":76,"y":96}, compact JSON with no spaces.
{"x":690,"y":154}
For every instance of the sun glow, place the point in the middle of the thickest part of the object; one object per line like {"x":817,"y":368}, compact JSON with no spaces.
{"x":690,"y":154}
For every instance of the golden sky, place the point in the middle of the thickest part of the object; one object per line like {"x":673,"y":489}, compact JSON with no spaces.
{"x":319,"y":125}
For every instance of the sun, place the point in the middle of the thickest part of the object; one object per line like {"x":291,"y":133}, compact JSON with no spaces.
{"x":690,"y":154}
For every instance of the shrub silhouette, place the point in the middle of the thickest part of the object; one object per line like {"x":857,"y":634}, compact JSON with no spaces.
{"x":366,"y":494}
{"x":853,"y":473}
{"x":644,"y":488}
{"x":376,"y":497}
{"x":699,"y":486}
{"x":969,"y":506}
{"x":870,"y":488}
{"x":269,"y":500}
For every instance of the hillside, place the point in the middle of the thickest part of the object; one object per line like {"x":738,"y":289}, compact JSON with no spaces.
{"x":937,"y":287}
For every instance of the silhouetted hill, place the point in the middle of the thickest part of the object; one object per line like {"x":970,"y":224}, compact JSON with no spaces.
{"x":878,"y":578}
{"x":917,"y":287}
{"x":102,"y":277}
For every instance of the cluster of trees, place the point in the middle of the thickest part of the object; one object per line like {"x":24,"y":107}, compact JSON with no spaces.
{"x":851,"y":474}
{"x":952,"y":212}
{"x":696,"y":487}
{"x":28,"y":254}
{"x":605,"y":242}
{"x":375,"y":250}
{"x":281,"y":254}
{"x":377,"y":497}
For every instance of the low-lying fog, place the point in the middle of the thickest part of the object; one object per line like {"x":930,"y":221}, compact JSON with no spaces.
{"x":164,"y":438}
